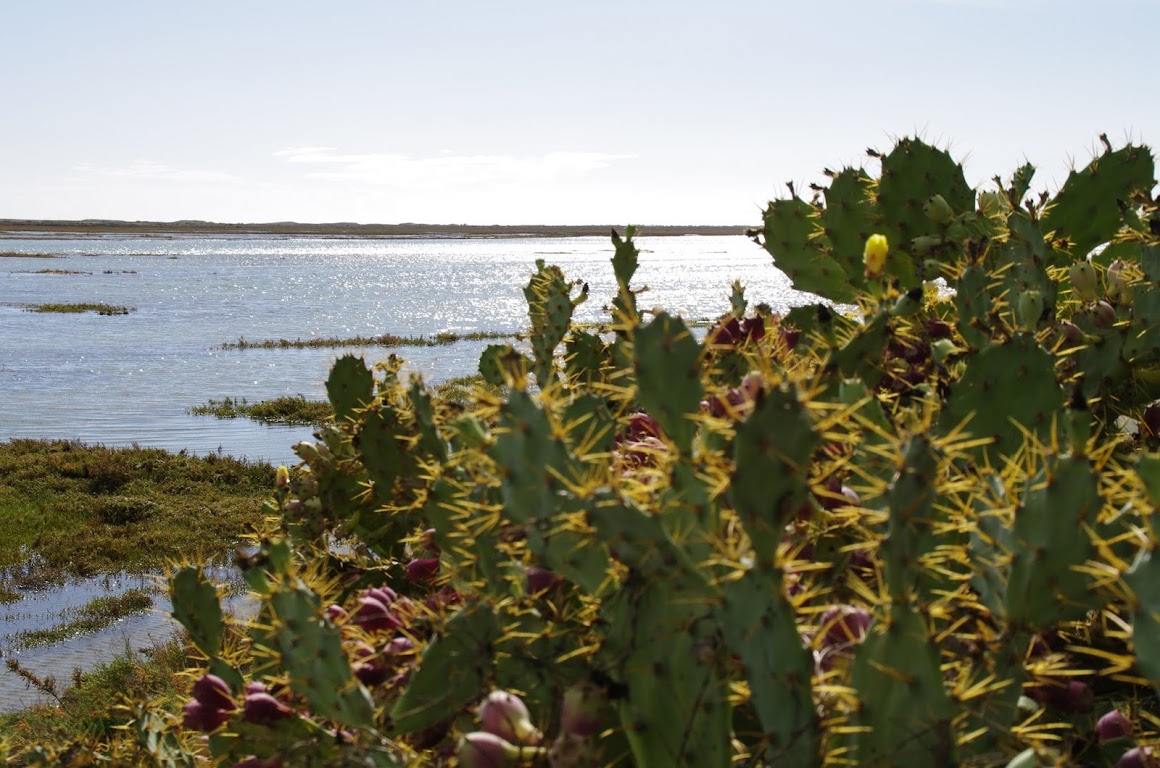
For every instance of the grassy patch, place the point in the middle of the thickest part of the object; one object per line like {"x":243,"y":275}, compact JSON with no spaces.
{"x":88,"y":708}
{"x":385,"y":340}
{"x":461,"y":388}
{"x":93,"y":616}
{"x":18,"y":255}
{"x":101,"y":309}
{"x":76,"y":510}
{"x":281,"y":410}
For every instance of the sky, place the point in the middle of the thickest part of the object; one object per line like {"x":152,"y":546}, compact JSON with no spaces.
{"x":545,"y":112}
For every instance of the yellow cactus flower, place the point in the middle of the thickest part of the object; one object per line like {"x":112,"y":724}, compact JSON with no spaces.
{"x":874,"y":255}
{"x":282,"y":477}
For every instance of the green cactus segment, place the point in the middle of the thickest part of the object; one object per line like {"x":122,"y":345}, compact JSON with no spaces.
{"x":586,"y":358}
{"x":573,"y":555}
{"x":1142,"y":340}
{"x":1006,"y":386}
{"x":452,"y":671}
{"x":312,"y":652}
{"x":991,"y":546}
{"x":380,"y":443}
{"x":759,"y":626}
{"x":910,"y":534}
{"x":1086,"y":210}
{"x":861,"y":356}
{"x":625,"y":259}
{"x":590,"y":427}
{"x":901,"y":696}
{"x":737,"y":303}
{"x":1144,"y":580}
{"x":501,"y":365}
{"x":772,"y":451}
{"x":429,"y":444}
{"x":676,"y":710}
{"x":973,"y":303}
{"x":913,"y":173}
{"x":1022,"y":259}
{"x":196,"y":607}
{"x":849,"y":219}
{"x":550,"y":312}
{"x":525,"y":450}
{"x":666,"y":359}
{"x":791,"y":237}
{"x":1050,"y":541}
{"x":350,"y":386}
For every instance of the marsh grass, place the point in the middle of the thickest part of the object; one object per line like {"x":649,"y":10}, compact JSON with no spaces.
{"x":385,"y":340}
{"x":74,"y":510}
{"x":461,"y":389}
{"x":93,"y":616}
{"x":101,"y":309}
{"x":18,"y":255}
{"x":89,"y":706}
{"x":50,"y":272}
{"x":288,"y":410}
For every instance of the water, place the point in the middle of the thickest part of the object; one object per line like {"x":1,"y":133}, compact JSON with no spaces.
{"x":120,"y":380}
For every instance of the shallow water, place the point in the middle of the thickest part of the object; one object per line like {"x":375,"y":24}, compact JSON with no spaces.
{"x":120,"y":380}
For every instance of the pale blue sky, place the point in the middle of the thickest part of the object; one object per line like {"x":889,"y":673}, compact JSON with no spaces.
{"x":455,"y":111}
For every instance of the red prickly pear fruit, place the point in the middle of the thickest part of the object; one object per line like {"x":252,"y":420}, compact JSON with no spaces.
{"x":198,"y":717}
{"x":371,"y":673}
{"x":1105,"y":314}
{"x":256,"y":686}
{"x":1136,"y":757}
{"x":336,"y":614}
{"x":384,"y":595}
{"x":264,"y":709}
{"x":540,"y":579}
{"x":753,"y":328}
{"x":789,"y":337}
{"x":1113,"y":725}
{"x":1151,"y":419}
{"x":642,"y":425}
{"x":506,"y":715}
{"x":1071,"y":333}
{"x":421,"y":569}
{"x":373,"y":616}
{"x":399,"y":646}
{"x":213,"y":693}
{"x":842,"y":625}
{"x":726,"y":332}
{"x":581,"y":709}
{"x":481,"y":749}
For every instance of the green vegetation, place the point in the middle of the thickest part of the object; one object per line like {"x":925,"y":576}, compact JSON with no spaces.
{"x":98,"y":613}
{"x":50,"y":272}
{"x":90,"y":707}
{"x":70,"y":509}
{"x":291,"y":410}
{"x":101,"y":309}
{"x":18,"y":255}
{"x":385,"y":340}
{"x":913,"y":532}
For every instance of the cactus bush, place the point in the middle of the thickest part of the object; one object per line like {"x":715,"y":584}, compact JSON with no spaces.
{"x":911,"y":523}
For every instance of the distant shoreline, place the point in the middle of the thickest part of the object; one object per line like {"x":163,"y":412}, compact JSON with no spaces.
{"x":10,"y":228}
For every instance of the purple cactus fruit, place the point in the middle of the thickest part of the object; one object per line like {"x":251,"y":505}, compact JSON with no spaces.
{"x":726,"y":332}
{"x":936,"y":329}
{"x":198,"y":717}
{"x":789,"y":337}
{"x":506,"y":715}
{"x":1071,"y":333}
{"x":581,"y":709}
{"x":753,"y":328}
{"x":1105,"y":314}
{"x":1113,"y":725}
{"x":481,"y":749}
{"x":540,"y":579}
{"x":371,"y":673}
{"x":384,"y":595}
{"x":264,"y":709}
{"x":256,"y":686}
{"x":843,"y":625}
{"x":399,"y":646}
{"x":213,"y":693}
{"x":421,"y":569}
{"x":641,"y":425}
{"x":1136,"y":757}
{"x":373,"y":616}
{"x":1151,"y":420}
{"x":427,"y":541}
{"x":1070,"y":698}
{"x":336,"y":614}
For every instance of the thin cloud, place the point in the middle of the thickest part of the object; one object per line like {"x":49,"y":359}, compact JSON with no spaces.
{"x":150,"y":171}
{"x":406,"y":171}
